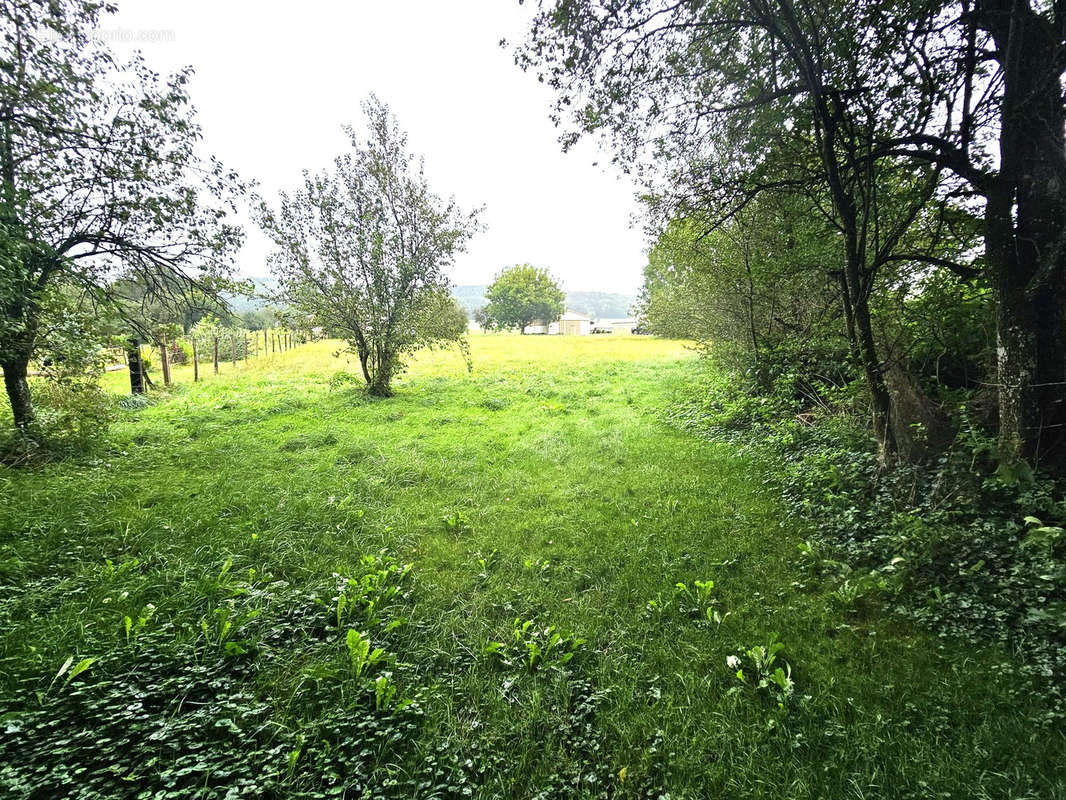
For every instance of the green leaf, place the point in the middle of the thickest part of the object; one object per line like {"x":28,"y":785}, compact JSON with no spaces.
{"x":79,"y":668}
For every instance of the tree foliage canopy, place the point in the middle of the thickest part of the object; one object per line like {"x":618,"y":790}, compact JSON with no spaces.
{"x":897,"y":122}
{"x":101,"y":183}
{"x":521,"y":295}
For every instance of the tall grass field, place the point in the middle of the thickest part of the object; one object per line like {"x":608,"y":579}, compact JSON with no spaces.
{"x":512,"y":582}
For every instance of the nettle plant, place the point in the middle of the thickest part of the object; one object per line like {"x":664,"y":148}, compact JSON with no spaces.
{"x":766,"y":672}
{"x":535,"y":648}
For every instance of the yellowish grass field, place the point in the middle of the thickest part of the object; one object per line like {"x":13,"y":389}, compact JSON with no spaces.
{"x":490,"y":352}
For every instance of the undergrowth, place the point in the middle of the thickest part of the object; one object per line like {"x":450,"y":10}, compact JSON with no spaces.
{"x":174,"y":706}
{"x":975,"y":556}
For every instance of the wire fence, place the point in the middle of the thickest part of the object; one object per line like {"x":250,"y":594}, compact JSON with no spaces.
{"x":206,"y":354}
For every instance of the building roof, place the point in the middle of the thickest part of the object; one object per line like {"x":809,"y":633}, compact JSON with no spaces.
{"x":626,"y":321}
{"x":573,"y":315}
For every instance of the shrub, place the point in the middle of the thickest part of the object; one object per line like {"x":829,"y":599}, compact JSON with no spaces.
{"x":70,"y":417}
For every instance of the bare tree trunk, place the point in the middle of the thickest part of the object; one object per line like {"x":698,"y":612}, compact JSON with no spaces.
{"x":855,"y":279}
{"x":16,"y":382}
{"x":380,"y":382}
{"x":763,"y":378}
{"x":164,"y":361}
{"x":364,"y":357}
{"x":863,"y":348}
{"x":880,"y":398}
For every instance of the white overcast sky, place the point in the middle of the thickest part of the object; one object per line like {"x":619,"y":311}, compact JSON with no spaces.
{"x":275,"y":82}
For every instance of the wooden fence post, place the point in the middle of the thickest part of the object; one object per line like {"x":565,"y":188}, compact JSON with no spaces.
{"x":133,"y":356}
{"x":216,"y":355}
{"x":195,"y":362}
{"x":164,"y":361}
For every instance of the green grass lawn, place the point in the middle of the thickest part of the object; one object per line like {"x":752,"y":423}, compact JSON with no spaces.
{"x":542,"y":487}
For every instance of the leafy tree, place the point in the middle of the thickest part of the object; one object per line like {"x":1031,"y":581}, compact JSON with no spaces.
{"x":748,"y":287}
{"x":100,"y":182}
{"x":144,"y":308}
{"x":229,"y":333}
{"x":717,"y":103}
{"x":259,"y":319}
{"x":521,"y":295}
{"x":930,"y":104}
{"x":362,"y":250}
{"x":453,"y":319}
{"x":990,"y":73}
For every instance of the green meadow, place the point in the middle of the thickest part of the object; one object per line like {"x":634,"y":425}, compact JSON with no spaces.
{"x":517,"y":581}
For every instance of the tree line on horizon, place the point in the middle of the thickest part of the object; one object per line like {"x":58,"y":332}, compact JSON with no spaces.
{"x":596,"y":304}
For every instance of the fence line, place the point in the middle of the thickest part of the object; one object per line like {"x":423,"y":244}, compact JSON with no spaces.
{"x":241,"y":349}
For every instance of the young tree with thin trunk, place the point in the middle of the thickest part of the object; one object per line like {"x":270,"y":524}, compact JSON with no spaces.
{"x":100,"y":182}
{"x":362,"y":250}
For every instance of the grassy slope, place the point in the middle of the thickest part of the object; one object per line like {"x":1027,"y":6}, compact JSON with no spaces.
{"x":584,"y":507}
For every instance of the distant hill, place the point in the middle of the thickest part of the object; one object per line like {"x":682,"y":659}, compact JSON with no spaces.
{"x":470,"y":297}
{"x":241,"y":303}
{"x":596,"y":304}
{"x":600,"y":305}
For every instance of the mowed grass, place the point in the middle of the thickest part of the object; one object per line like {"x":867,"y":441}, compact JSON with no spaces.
{"x":542,"y":486}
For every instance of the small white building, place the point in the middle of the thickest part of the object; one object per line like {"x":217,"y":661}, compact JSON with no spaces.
{"x":624,"y":327}
{"x":574,"y":324}
{"x":571,"y":323}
